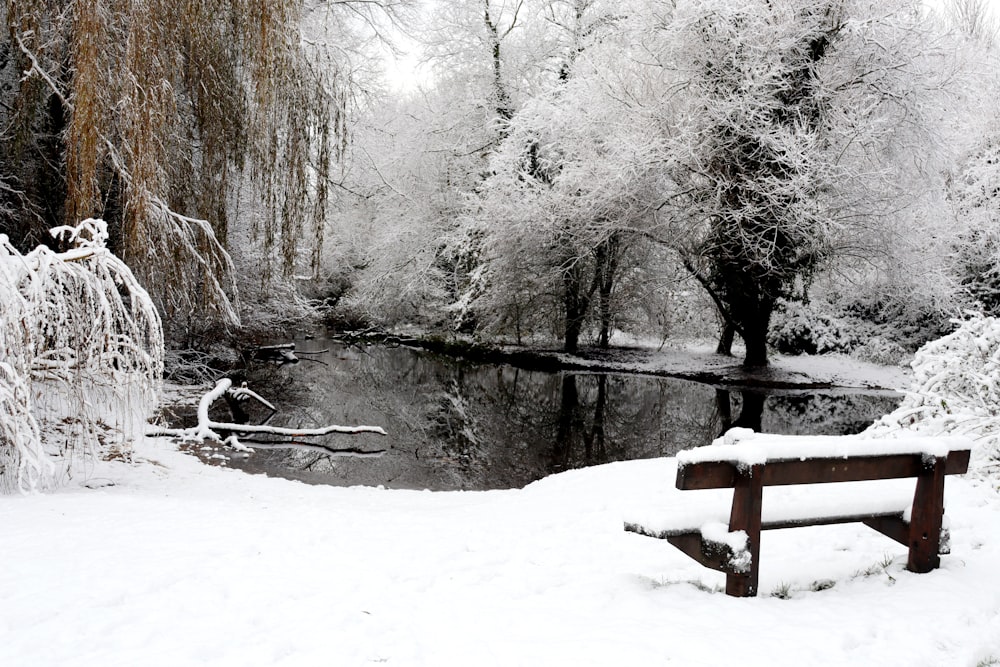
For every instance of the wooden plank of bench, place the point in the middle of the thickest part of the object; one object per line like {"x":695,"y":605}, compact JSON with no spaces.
{"x":711,"y":554}
{"x":898,"y":529}
{"x":723,"y":474}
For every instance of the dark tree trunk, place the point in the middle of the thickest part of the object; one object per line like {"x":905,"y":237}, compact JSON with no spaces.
{"x":574,"y":303}
{"x":756,"y":356}
{"x":604,"y":340}
{"x":726,"y":339}
{"x":607,"y":267}
{"x":756,"y":322}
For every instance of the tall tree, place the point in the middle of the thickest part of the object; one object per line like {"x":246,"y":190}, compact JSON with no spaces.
{"x":562,"y":212}
{"x":784,"y":118}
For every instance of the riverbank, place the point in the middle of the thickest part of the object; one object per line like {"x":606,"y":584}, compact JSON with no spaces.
{"x":169,"y":562}
{"x":691,"y":360}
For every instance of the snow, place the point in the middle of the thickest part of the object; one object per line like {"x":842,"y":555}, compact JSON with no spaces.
{"x":170,"y":562}
{"x":698,"y":359}
{"x":744,"y":447}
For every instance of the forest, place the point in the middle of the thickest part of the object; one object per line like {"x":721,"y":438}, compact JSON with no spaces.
{"x":180,"y":177}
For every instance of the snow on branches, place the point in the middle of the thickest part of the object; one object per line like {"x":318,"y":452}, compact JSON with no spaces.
{"x":229,"y":433}
{"x":82,"y":351}
{"x":955,"y":390}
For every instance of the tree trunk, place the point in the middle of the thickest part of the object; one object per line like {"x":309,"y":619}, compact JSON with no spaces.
{"x":726,"y":339}
{"x":755,"y":328}
{"x":576,"y":303}
{"x":574,"y":317}
{"x":607,"y":266}
{"x":572,"y":339}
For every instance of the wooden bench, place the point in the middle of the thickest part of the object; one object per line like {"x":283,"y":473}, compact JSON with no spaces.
{"x":747,"y":462}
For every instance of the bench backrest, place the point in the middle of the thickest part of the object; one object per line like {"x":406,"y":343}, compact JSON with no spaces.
{"x":779,"y":472}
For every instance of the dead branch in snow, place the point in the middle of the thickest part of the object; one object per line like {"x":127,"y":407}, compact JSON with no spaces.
{"x":227,"y":432}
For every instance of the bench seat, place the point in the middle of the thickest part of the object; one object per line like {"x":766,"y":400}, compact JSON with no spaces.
{"x":792,"y":505}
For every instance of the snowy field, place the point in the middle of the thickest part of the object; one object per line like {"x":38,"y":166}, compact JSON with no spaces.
{"x":171,"y":562}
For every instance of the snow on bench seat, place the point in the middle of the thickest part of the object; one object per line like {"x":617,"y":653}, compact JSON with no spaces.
{"x":745,"y":447}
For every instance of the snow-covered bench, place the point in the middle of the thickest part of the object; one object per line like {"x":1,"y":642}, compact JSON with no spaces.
{"x":747,"y":462}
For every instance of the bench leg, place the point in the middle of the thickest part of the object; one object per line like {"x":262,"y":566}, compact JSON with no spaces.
{"x":748,"y":495}
{"x":926,"y":517}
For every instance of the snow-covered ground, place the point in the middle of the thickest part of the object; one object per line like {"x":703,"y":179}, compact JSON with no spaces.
{"x":171,"y":562}
{"x":699,"y":361}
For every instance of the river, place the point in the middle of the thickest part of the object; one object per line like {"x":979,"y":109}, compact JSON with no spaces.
{"x":459,"y":425}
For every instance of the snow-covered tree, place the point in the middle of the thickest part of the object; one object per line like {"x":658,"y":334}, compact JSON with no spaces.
{"x":561,"y":216}
{"x":555,"y":224}
{"x":974,"y":184}
{"x":419,"y":158}
{"x":82,"y":354}
{"x":955,"y":391}
{"x":787,"y":123}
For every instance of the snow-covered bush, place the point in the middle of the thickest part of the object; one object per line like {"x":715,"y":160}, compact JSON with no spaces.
{"x":800,"y":328}
{"x":82,"y":354}
{"x":879,"y":330}
{"x":880,"y":350}
{"x":956,"y":390}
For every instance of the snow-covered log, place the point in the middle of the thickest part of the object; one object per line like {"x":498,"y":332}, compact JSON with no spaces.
{"x":209,"y":429}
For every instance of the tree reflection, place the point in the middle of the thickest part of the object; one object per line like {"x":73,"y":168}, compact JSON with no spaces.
{"x":577,"y":429}
{"x":751,"y":409}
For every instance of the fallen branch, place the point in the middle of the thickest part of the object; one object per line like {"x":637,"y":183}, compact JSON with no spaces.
{"x":283,"y":354}
{"x":353,"y":452}
{"x":207,"y":429}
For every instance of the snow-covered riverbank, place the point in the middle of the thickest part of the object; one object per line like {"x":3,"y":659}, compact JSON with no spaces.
{"x":177,"y":563}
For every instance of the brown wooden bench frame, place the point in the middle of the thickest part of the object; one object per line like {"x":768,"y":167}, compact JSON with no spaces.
{"x":922,"y":533}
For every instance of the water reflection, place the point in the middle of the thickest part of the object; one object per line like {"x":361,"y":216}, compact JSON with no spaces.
{"x":455,"y":425}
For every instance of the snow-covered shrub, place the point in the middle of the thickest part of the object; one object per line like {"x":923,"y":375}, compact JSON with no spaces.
{"x":910,"y":319}
{"x":800,"y":328}
{"x":880,"y":350}
{"x":83,"y":354}
{"x":974,"y":192}
{"x":956,"y":390}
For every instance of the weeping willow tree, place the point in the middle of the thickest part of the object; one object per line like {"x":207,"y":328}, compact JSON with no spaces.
{"x":163,"y":117}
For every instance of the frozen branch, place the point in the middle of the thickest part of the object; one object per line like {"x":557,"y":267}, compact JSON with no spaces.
{"x":208,"y":429}
{"x":35,"y":67}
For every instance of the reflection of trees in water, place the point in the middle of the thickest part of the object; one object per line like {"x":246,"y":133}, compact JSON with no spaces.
{"x":751,"y":409}
{"x":827,"y":413}
{"x":458,"y":425}
{"x":606,"y":418}
{"x":798,"y":413}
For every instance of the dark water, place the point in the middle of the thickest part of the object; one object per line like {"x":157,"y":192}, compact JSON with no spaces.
{"x":455,"y":425}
